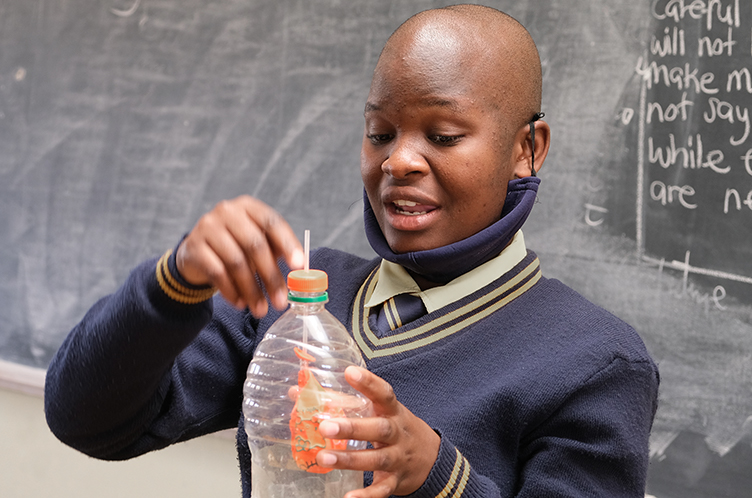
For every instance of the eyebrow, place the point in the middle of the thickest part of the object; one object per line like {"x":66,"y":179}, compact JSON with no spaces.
{"x":430,"y":102}
{"x":439,"y":102}
{"x":370,"y":107}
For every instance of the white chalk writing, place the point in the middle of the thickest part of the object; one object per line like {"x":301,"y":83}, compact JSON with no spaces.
{"x":694,"y":135}
{"x":682,"y":77}
{"x":710,"y":10}
{"x":691,"y":155}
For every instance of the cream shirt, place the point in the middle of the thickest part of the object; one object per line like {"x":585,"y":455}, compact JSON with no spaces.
{"x":394,"y":279}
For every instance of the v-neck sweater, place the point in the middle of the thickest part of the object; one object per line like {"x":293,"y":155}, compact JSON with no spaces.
{"x":534,"y":390}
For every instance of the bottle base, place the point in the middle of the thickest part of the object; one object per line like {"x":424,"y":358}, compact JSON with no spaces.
{"x":270,"y":480}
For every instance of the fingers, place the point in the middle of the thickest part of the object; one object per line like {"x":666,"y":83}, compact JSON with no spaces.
{"x":281,"y":238}
{"x":209,"y":260}
{"x":249,"y":254}
{"x":235,"y":246}
{"x":383,"y":459}
{"x":383,"y":486}
{"x":401,"y":468}
{"x":375,"y":388}
{"x":404,"y":446}
{"x":378,"y":430}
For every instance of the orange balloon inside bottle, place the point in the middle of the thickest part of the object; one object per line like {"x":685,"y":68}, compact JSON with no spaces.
{"x":312,"y":406}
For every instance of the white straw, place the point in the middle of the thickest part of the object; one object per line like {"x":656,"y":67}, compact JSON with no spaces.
{"x":307,"y":248}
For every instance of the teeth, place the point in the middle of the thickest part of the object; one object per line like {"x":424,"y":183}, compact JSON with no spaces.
{"x":405,"y":203}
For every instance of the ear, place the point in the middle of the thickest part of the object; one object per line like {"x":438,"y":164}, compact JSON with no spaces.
{"x":523,"y":148}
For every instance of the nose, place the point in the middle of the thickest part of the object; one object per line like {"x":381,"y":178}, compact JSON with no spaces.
{"x":405,"y":158}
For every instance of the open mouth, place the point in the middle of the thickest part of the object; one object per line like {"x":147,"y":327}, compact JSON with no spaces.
{"x":410,"y":208}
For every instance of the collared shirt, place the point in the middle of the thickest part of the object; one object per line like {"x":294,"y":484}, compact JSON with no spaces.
{"x":393,"y":279}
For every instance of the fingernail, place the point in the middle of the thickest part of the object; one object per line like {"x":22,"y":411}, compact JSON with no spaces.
{"x":327,"y":459}
{"x":297,"y":260}
{"x":280,"y":298}
{"x":259,"y":309}
{"x":328,"y":428}
{"x":355,"y":374}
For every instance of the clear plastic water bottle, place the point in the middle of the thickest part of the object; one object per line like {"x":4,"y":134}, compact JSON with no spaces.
{"x":296,"y":380}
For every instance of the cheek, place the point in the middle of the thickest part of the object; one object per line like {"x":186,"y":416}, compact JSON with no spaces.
{"x":483,"y":191}
{"x":473,"y":181}
{"x":370,"y":171}
{"x":366,"y":161}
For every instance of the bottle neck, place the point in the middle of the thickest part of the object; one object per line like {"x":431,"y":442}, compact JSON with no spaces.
{"x":307,"y":302}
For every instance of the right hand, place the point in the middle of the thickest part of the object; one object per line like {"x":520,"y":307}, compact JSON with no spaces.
{"x":234,"y":243}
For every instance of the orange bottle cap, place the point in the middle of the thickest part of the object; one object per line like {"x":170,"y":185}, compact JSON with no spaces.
{"x":307,"y":281}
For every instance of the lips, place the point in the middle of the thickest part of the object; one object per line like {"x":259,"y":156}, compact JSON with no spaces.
{"x":411,"y":208}
{"x":409,"y":215}
{"x":406,"y":208}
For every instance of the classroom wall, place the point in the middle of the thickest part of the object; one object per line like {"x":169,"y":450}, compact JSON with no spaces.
{"x":34,"y":463}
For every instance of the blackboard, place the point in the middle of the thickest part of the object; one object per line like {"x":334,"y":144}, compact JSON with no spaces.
{"x":121,"y":121}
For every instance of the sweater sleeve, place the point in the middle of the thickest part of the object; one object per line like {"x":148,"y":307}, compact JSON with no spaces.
{"x":595,"y":444}
{"x":453,"y":476}
{"x":142,"y":370}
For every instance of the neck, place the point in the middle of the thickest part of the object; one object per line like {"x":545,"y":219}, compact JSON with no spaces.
{"x":423,"y":282}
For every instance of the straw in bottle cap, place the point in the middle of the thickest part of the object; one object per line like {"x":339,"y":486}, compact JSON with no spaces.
{"x":307,"y":280}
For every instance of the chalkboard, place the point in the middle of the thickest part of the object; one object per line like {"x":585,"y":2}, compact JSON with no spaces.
{"x":122,"y":121}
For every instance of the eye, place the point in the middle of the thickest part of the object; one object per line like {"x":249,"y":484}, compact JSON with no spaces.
{"x":379,"y":138}
{"x":446,"y":140}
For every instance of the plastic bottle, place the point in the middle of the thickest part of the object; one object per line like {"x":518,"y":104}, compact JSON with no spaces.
{"x":296,"y":380}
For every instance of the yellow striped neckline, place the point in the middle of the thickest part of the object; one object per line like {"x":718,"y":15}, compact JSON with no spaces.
{"x":441,"y":326}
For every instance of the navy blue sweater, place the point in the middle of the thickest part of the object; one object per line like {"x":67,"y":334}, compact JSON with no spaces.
{"x":534,"y":390}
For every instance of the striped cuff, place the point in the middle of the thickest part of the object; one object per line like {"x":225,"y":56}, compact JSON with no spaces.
{"x":448,"y":477}
{"x":177,"y":291}
{"x":455,"y":486}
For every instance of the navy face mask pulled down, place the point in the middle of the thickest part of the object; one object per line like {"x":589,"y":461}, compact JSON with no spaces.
{"x":444,"y":264}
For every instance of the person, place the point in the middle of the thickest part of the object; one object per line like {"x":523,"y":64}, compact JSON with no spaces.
{"x":506,"y":383}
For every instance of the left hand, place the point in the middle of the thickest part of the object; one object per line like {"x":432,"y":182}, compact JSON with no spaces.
{"x":404,"y":446}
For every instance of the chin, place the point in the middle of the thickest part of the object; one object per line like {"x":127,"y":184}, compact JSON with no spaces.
{"x":402,"y":244}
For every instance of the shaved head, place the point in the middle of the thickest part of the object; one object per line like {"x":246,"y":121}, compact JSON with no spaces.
{"x":446,"y":125}
{"x":483,"y":46}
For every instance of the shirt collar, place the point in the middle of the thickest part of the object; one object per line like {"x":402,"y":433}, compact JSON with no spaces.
{"x":393,"y":279}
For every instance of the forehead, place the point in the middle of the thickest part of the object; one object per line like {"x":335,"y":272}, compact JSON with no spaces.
{"x":433,"y":66}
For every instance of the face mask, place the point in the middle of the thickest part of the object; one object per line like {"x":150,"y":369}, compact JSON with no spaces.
{"x":443,"y":264}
